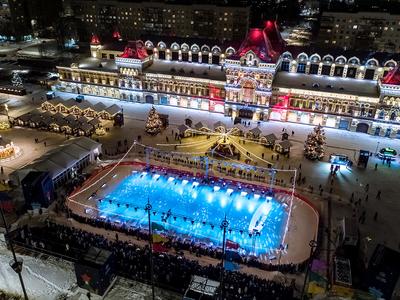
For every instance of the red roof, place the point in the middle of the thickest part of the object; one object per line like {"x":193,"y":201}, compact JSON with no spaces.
{"x":95,"y":40}
{"x":135,"y":49}
{"x":266,"y":43}
{"x":116,"y":35}
{"x":393,"y":77}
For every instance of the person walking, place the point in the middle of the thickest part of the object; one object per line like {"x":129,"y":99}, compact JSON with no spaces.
{"x":376,"y":216}
{"x":376,"y":166}
{"x":378,"y":195}
{"x":367,"y":187}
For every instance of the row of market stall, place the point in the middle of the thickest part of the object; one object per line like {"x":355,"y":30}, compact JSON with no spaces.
{"x":84,"y":108}
{"x":58,"y":122}
{"x":254,"y":134}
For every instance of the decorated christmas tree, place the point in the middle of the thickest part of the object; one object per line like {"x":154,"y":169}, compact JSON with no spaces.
{"x":314,"y":147}
{"x":153,"y":123}
{"x":16,"y":79}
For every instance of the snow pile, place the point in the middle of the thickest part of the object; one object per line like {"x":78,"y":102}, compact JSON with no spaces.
{"x":43,"y":279}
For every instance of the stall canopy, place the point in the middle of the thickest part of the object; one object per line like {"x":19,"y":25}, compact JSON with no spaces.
{"x":255,"y":132}
{"x":94,"y":122}
{"x":182,"y":128}
{"x":113,"y":109}
{"x":70,"y":118}
{"x":59,"y":159}
{"x":200,"y":126}
{"x":99,"y":106}
{"x":219,"y":124}
{"x":270,"y":138}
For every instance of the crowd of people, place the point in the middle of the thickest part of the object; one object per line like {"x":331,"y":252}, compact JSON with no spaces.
{"x":170,"y":270}
{"x":180,"y":244}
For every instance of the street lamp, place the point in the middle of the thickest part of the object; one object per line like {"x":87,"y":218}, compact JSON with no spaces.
{"x":6,"y":108}
{"x":377,"y":146}
{"x":16,"y":263}
{"x":313,"y":245}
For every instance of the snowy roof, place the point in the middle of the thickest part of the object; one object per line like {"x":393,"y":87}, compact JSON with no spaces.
{"x":70,"y":118}
{"x":59,"y":159}
{"x":58,"y":116}
{"x":83,"y":119}
{"x":240,"y":127}
{"x":99,"y":106}
{"x":86,"y":127}
{"x":327,"y":84}
{"x":86,"y":143}
{"x":36,"y":119}
{"x":271,"y":137}
{"x":186,"y":69}
{"x":199,"y":126}
{"x":255,"y":131}
{"x":219,"y":124}
{"x":46,"y":114}
{"x":113,"y":109}
{"x":92,"y":63}
{"x":84,"y":105}
{"x":25,"y":117}
{"x":69,"y":103}
{"x":47,"y":120}
{"x":95,"y":121}
{"x":285,"y":144}
{"x":182,"y":128}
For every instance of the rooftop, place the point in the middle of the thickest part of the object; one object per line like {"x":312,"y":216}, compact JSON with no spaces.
{"x":92,"y":63}
{"x":187,"y":69}
{"x":327,"y":84}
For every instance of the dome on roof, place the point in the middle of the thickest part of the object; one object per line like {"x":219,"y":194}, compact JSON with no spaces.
{"x":392,"y":77}
{"x":266,"y":43}
{"x":135,"y":49}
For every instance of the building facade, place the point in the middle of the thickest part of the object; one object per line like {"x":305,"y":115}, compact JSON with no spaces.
{"x":262,"y":79}
{"x":136,"y":18}
{"x":375,"y":31}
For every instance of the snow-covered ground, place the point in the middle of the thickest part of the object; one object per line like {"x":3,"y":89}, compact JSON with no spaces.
{"x":44,"y":280}
{"x":51,"y":278}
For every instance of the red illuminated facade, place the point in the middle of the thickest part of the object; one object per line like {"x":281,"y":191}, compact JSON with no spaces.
{"x":261,"y":79}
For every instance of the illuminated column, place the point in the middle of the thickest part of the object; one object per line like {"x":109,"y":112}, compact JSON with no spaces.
{"x":293,"y":66}
{"x":360,"y":72}
{"x":320,"y":68}
{"x":308,"y":67}
{"x":346,"y":67}
{"x":190,"y":55}
{"x":180,"y":55}
{"x":200,"y":57}
{"x":210,"y":58}
{"x":332,"y":71}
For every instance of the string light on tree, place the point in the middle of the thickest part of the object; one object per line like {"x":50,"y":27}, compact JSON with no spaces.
{"x":153,"y":124}
{"x":314,"y":146}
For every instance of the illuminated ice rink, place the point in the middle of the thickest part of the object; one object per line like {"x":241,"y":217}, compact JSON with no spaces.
{"x":184,"y":205}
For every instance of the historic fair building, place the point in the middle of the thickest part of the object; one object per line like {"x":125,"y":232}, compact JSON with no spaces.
{"x":259,"y":79}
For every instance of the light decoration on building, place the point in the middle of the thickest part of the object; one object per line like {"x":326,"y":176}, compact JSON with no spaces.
{"x":95,"y":40}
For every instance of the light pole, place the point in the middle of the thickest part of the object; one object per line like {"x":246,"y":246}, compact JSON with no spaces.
{"x":6,"y":108}
{"x":148,"y":208}
{"x":377,"y":146}
{"x":313,"y":245}
{"x":15,"y":264}
{"x":224,"y":225}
